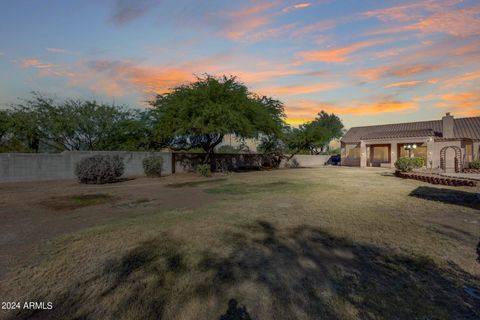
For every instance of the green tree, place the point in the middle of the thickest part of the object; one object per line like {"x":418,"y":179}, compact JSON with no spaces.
{"x":309,"y":137}
{"x":50,"y":125}
{"x":315,"y":135}
{"x":200,"y":114}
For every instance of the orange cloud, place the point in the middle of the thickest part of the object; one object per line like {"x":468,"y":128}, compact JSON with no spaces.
{"x":245,"y":21}
{"x":148,"y":79}
{"x":260,"y":76}
{"x":30,"y":63}
{"x":464,"y":103}
{"x":298,"y":89}
{"x":431,"y":16}
{"x":461,"y":79}
{"x":304,"y":110}
{"x":403,"y":84}
{"x":337,"y":54}
{"x":297,"y":6}
{"x":46,"y":69}
{"x":314,"y":28}
{"x":395,"y":71}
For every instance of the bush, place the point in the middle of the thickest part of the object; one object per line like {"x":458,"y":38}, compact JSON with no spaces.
{"x":152,"y":166}
{"x":416,"y":163}
{"x":292,"y":163}
{"x":475,"y":164}
{"x":406,"y":164}
{"x":99,"y":169}
{"x":204,"y":170}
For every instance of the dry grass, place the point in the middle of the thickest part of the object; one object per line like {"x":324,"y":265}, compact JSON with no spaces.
{"x":72,"y":202}
{"x":331,"y":243}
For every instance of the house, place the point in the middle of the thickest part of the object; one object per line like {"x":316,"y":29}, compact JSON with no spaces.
{"x":449,"y":143}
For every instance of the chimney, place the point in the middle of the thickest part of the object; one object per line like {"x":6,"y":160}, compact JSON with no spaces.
{"x":448,"y":124}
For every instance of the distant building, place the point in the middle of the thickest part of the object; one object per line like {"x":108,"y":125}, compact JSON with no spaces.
{"x":448,"y":143}
{"x":231,"y":140}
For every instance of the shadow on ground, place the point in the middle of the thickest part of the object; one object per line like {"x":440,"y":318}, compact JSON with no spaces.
{"x":303,"y":273}
{"x":458,"y":197}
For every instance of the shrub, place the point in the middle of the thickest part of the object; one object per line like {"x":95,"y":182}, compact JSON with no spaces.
{"x":204,"y":170}
{"x":406,"y":164}
{"x":152,"y":166}
{"x":99,"y":169}
{"x":416,"y":162}
{"x":292,"y":163}
{"x":475,"y":164}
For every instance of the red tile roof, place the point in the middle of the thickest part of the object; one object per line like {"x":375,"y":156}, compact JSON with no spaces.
{"x":468,"y":128}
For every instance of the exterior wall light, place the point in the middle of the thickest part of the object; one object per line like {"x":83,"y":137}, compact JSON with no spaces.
{"x":410,"y":147}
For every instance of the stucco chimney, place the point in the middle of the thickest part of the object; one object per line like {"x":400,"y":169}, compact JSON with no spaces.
{"x":448,"y":125}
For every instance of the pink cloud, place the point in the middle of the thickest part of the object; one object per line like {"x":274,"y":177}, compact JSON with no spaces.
{"x":297,"y":89}
{"x":297,"y":6}
{"x":430,"y":16}
{"x":337,"y":54}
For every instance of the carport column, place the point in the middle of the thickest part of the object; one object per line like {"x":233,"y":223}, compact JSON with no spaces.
{"x":430,"y":154}
{"x":393,"y":154}
{"x":363,"y":154}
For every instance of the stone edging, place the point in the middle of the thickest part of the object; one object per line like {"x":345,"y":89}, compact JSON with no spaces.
{"x":436,"y":179}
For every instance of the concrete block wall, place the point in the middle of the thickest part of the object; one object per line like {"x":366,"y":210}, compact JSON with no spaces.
{"x":307,"y":160}
{"x":43,"y":166}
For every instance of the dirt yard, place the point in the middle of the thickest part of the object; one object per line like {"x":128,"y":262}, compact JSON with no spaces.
{"x":325,"y":243}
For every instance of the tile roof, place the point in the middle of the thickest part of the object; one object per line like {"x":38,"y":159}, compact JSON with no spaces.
{"x":398,"y":134}
{"x":464,"y":128}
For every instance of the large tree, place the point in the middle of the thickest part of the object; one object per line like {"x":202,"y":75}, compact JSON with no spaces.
{"x":315,"y":135}
{"x":201,"y":113}
{"x":311,"y":137}
{"x":46,"y":124}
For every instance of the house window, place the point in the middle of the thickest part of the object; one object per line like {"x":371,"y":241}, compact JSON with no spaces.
{"x":469,"y":151}
{"x":380,"y":154}
{"x":421,"y":152}
{"x":354,"y":153}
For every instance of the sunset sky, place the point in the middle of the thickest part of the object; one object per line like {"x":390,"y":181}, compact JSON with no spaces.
{"x":368,"y":61}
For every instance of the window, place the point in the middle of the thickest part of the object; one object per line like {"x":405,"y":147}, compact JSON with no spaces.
{"x":380,"y":153}
{"x":469,"y":149}
{"x":421,"y":152}
{"x":354,"y":153}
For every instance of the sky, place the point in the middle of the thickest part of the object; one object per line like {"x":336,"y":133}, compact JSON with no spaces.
{"x":368,"y":61}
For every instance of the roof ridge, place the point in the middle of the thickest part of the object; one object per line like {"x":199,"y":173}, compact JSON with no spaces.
{"x":400,"y":123}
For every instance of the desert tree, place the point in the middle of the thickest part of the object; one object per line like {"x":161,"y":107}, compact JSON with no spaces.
{"x":199,"y":114}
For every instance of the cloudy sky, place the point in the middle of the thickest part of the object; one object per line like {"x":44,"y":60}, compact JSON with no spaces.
{"x":368,"y":61}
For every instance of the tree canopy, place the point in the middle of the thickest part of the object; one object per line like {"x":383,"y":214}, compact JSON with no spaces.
{"x":45,"y":124}
{"x":201,"y":113}
{"x":312,"y":136}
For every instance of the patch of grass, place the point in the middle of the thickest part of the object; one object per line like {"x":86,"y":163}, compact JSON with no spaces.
{"x":247,"y":188}
{"x":194,"y":183}
{"x":288,"y":273}
{"x":329,"y":243}
{"x":77,"y":201}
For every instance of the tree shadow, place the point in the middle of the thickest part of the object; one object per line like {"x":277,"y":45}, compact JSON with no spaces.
{"x":298,"y":273}
{"x":310,"y":273}
{"x":235,"y":312}
{"x":457,"y":197}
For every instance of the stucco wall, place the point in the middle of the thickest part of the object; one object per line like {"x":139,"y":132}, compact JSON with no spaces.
{"x":306,"y":160}
{"x":36,"y":167}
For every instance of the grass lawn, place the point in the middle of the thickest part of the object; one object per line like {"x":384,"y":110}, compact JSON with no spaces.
{"x":325,"y":243}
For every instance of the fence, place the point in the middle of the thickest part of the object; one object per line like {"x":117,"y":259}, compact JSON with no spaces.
{"x":45,"y":166}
